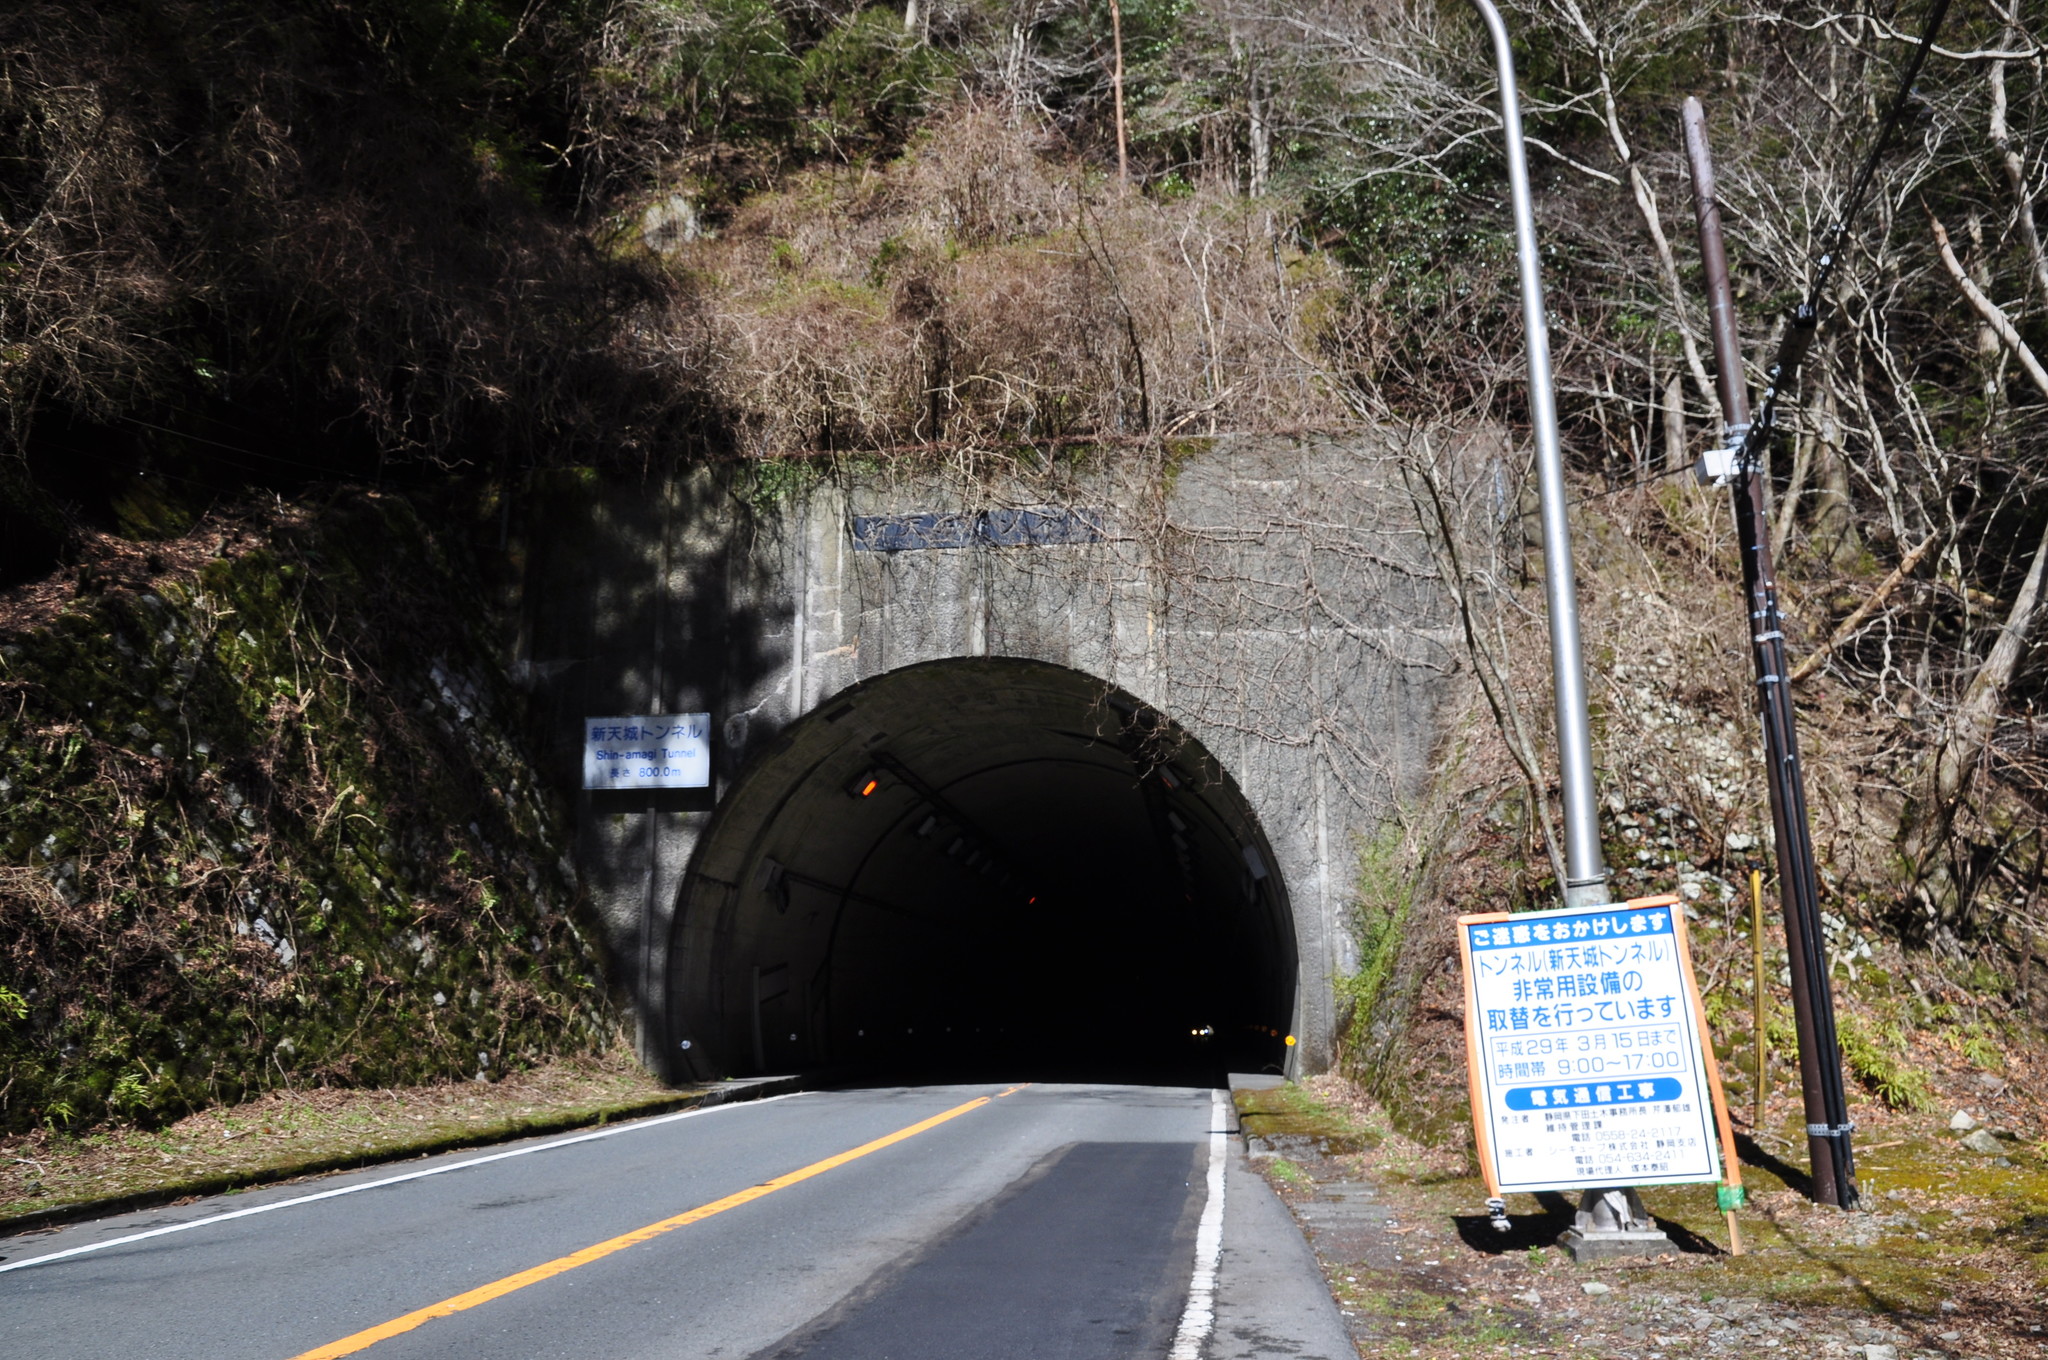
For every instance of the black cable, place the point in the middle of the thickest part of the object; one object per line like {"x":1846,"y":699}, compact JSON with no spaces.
{"x":1805,"y":319}
{"x":1799,"y":872}
{"x":231,"y":448}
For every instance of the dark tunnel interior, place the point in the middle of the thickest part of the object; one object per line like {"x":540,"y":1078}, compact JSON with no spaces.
{"x":982,"y":868}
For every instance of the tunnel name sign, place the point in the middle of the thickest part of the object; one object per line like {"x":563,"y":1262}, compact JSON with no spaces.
{"x":1582,"y":1037}
{"x":662,"y":751}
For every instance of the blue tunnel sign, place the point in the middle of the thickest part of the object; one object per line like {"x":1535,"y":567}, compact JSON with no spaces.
{"x":660,"y":751}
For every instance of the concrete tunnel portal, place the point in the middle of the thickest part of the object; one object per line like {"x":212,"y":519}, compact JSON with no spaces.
{"x":982,"y":866}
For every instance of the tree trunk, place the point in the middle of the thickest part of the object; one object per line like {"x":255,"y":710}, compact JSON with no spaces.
{"x":1676,"y":455}
{"x":1961,"y":744}
{"x":1795,"y":484}
{"x":1834,"y":515}
{"x":1963,"y":740}
{"x":1116,"y":32}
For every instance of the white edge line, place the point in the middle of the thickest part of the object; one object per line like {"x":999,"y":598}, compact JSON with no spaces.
{"x":612,"y":1131}
{"x":1199,"y":1319}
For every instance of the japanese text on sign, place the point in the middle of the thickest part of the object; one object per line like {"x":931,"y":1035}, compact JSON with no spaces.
{"x":667,"y":751}
{"x":1585,"y":1045}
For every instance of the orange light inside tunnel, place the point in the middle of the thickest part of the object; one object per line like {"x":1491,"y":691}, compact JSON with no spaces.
{"x":869,"y":785}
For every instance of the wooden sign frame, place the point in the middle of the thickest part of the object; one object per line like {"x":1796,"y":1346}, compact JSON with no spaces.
{"x":1730,"y":1172}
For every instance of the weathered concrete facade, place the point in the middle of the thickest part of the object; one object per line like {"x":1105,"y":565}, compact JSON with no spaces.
{"x":1273,"y":598}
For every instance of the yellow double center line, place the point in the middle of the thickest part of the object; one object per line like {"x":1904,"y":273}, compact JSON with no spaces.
{"x":363,"y":1340}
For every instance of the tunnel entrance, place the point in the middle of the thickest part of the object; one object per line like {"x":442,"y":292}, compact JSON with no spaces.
{"x":982,"y":867}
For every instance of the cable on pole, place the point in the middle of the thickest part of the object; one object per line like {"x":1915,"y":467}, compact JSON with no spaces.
{"x":1740,"y":462}
{"x":1804,"y":320}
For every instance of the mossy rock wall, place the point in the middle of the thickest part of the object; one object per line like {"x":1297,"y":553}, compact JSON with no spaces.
{"x":270,"y":820}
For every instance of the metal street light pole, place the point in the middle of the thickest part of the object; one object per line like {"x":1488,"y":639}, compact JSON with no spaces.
{"x":1610,"y":1222}
{"x":1585,"y":876}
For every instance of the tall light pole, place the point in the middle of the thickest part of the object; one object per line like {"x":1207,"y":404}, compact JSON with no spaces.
{"x":1610,"y":1222}
{"x":1585,"y":875}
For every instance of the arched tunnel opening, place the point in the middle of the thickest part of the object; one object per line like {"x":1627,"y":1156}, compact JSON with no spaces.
{"x":977,"y":868}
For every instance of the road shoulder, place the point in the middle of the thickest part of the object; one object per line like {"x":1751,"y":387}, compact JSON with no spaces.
{"x":1271,"y":1297}
{"x":51,"y":1180}
{"x":1403,"y":1238}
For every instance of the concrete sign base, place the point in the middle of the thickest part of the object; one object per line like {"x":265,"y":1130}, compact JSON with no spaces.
{"x":1591,"y":1246}
{"x":1612,"y":1224}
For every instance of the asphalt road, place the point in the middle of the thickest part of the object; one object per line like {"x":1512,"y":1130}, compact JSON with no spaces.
{"x":1034,"y":1223}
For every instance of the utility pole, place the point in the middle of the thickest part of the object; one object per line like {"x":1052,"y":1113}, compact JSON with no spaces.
{"x":1828,"y":1126}
{"x":1116,"y":33}
{"x":1610,"y":1222}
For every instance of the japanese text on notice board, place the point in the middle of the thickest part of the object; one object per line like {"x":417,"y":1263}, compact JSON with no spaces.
{"x":664,"y":751}
{"x":1587,"y":1050}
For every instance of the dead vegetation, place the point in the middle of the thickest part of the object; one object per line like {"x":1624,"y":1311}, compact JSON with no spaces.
{"x":298,"y":1130}
{"x":663,"y":228}
{"x":1946,"y":1263}
{"x":991,"y":291}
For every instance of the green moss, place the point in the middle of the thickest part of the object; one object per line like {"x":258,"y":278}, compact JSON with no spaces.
{"x":1386,"y":895}
{"x":1176,"y":454}
{"x":1377,"y":1047}
{"x":148,"y":508}
{"x":776,"y":481}
{"x":261,"y":816}
{"x":1287,"y":1111}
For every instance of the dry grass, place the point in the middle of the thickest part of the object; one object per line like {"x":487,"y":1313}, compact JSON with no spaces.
{"x":988,"y":290}
{"x":1684,"y":808}
{"x":1948,"y":1262}
{"x":292,"y":1132}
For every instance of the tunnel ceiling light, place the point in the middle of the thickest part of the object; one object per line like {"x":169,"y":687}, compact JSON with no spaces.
{"x":866,"y":784}
{"x":1173,"y":820}
{"x":959,"y":843}
{"x":1170,"y":777}
{"x":925,"y":827}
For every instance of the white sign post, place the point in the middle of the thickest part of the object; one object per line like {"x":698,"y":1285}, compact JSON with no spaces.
{"x":663,"y":751}
{"x":1584,"y":1042}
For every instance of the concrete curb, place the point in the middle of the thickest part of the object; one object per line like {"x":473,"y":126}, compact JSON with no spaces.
{"x":724,"y":1093}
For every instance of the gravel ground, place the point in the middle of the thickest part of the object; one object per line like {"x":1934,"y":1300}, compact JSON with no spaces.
{"x":1412,"y":1260}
